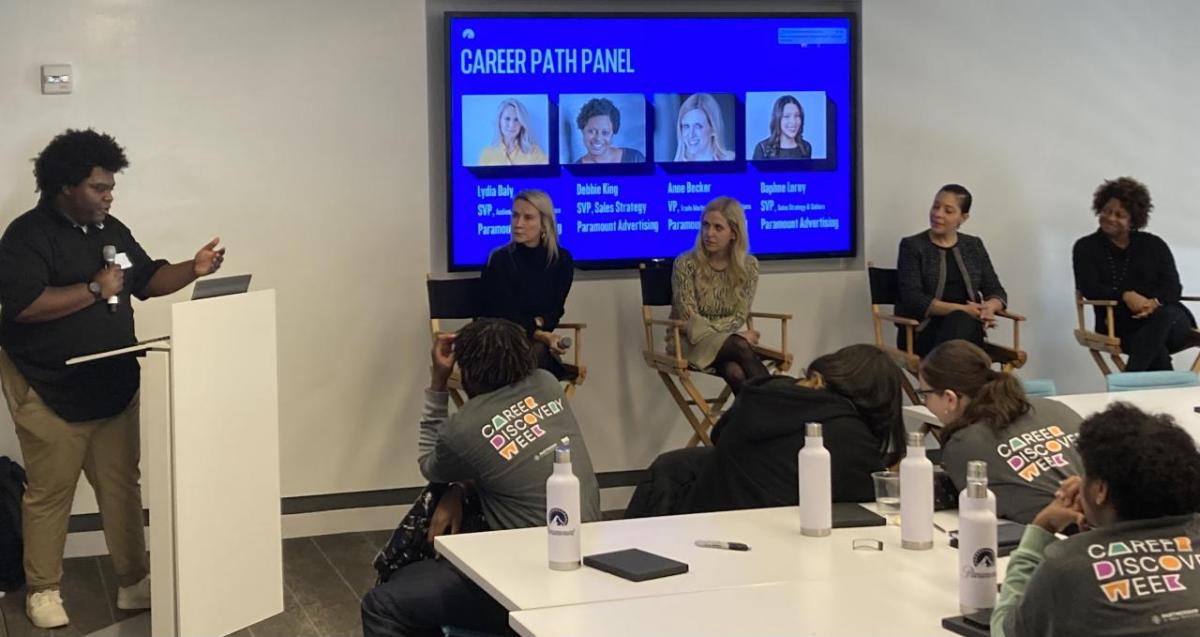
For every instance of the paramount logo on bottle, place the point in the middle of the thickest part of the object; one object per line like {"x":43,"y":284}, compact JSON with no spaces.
{"x":556,"y":519}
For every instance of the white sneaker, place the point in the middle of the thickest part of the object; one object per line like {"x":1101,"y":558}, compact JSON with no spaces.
{"x":136,"y":597}
{"x":45,"y":609}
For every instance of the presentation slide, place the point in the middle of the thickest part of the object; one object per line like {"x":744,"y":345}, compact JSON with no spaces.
{"x":633,"y":123}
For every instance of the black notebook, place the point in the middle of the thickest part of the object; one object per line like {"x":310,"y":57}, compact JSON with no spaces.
{"x":973,"y":625}
{"x":847,"y":515}
{"x":635,"y":565}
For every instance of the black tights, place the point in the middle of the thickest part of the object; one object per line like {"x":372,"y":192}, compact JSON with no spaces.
{"x":737,"y":363}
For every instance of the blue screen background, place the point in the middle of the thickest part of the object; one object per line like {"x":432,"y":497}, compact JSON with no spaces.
{"x":616,"y":214}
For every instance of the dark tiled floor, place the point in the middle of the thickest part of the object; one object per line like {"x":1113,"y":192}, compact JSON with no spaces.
{"x":324,"y":578}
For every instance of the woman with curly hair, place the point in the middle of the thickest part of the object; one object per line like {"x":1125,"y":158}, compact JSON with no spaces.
{"x":1121,"y":262}
{"x":1136,"y":571}
{"x":1028,"y":444}
{"x":599,"y":121}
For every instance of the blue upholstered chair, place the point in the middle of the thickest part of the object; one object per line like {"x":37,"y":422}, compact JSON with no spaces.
{"x":1130,"y":381}
{"x":1039,"y":387}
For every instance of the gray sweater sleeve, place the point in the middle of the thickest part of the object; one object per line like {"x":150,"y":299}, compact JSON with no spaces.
{"x":1015,"y":610}
{"x":438,"y":463}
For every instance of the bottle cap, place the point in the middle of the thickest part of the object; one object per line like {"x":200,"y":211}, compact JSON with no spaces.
{"x":562,"y":453}
{"x":977,"y":490}
{"x":977,"y":470}
{"x":812,"y":430}
{"x":916,"y":439}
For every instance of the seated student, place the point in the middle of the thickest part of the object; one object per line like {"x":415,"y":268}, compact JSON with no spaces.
{"x":505,"y":465}
{"x":854,"y":392}
{"x":712,"y":289}
{"x":1029,"y":445}
{"x":1135,"y":572}
{"x":1121,"y":262}
{"x":946,"y":278}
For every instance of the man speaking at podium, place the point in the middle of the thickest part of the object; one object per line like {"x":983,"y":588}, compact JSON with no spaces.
{"x":67,"y":270}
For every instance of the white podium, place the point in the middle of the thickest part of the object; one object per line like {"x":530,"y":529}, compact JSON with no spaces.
{"x":216,"y":552}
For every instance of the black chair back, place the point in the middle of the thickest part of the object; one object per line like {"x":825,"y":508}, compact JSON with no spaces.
{"x":885,"y":287}
{"x":656,"y":282}
{"x":455,"y":298}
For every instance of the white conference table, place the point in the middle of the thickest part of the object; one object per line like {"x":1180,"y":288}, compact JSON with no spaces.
{"x":920,"y":586}
{"x":860,"y":607}
{"x":1179,"y":402}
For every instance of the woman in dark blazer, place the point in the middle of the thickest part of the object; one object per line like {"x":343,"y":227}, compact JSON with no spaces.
{"x":527,"y":280}
{"x":946,"y":278}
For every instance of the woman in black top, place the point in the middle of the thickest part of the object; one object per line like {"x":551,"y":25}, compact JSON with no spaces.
{"x":527,"y":280}
{"x":854,"y":392}
{"x":946,"y":278}
{"x":1120,"y":262}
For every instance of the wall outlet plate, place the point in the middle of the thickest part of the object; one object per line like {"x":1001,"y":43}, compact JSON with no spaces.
{"x":57,"y":79}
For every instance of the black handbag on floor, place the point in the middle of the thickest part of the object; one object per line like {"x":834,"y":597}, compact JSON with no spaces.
{"x":408,"y":542}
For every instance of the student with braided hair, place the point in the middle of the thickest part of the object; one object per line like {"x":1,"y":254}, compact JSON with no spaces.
{"x":1028,"y":444}
{"x":497,"y":450}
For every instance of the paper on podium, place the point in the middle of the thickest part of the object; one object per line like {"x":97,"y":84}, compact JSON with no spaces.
{"x":160,"y":344}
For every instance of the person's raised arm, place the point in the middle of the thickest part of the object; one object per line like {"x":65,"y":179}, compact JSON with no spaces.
{"x":171,"y":278}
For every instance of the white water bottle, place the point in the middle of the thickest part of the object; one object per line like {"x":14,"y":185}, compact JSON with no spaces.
{"x":562,"y":512}
{"x":977,"y":553}
{"x":816,"y":490}
{"x":916,"y":496}
{"x":977,"y":472}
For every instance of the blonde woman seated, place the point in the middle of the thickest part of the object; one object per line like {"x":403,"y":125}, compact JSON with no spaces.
{"x":515,"y":144}
{"x":713,"y":289}
{"x":701,"y":131}
{"x":1028,"y":444}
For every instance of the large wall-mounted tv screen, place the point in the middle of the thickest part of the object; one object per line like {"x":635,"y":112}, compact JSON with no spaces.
{"x":632,"y":123}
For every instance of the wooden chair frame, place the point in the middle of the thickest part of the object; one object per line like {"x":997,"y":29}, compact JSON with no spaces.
{"x":1099,"y":344}
{"x":1008,"y":357}
{"x":454,"y":385}
{"x":702,"y":413}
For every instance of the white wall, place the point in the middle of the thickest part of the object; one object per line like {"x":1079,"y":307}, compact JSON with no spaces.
{"x":1031,"y":106}
{"x":307,"y":134}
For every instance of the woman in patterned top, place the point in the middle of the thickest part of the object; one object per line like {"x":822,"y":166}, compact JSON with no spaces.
{"x":713,"y":288}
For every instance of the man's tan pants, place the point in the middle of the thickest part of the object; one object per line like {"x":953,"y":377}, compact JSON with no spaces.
{"x":107,"y":450}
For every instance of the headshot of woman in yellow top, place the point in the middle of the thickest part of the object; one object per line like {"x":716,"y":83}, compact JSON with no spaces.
{"x":702,"y":131}
{"x":515,"y":143}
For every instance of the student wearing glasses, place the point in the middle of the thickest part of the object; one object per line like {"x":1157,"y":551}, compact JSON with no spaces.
{"x":1028,"y":444}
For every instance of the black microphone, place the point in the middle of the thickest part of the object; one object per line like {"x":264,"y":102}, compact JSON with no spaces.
{"x":565,"y":342}
{"x":110,"y":259}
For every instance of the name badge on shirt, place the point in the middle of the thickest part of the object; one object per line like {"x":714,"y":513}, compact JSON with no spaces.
{"x":123,"y":261}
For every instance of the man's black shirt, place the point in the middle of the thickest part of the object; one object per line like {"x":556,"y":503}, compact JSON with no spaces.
{"x":43,"y":248}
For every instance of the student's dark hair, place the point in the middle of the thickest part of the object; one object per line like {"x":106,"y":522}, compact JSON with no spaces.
{"x":70,"y":157}
{"x":996,"y":398}
{"x":1133,"y":195}
{"x":774,"y":141}
{"x":866,"y":376}
{"x":596,"y":107}
{"x":964,"y":196}
{"x":1150,"y":464}
{"x":492,"y":353}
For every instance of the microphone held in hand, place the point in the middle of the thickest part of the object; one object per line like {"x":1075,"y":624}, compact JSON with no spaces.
{"x":565,"y":342}
{"x":110,"y":260}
